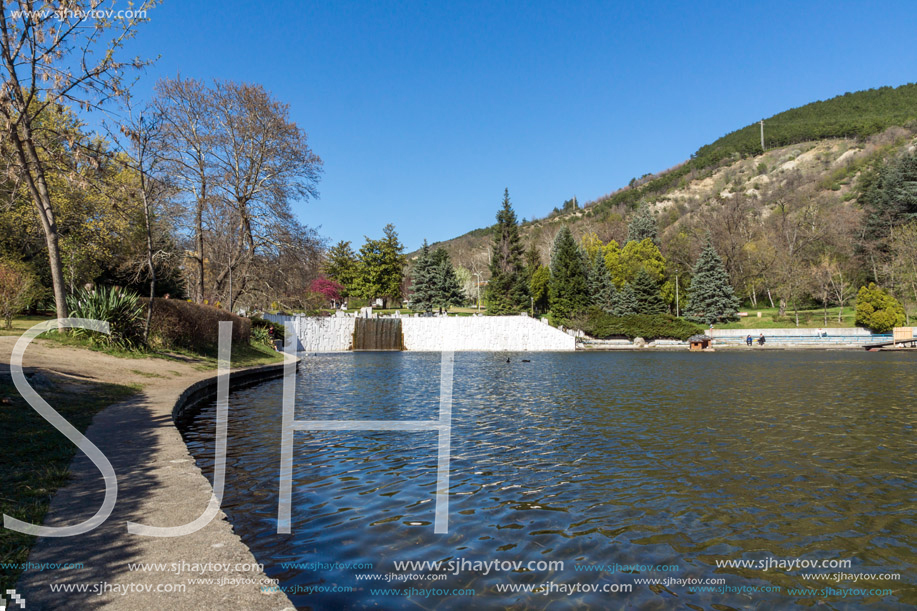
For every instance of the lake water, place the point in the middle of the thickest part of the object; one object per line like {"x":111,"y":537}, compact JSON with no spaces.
{"x":652,"y":459}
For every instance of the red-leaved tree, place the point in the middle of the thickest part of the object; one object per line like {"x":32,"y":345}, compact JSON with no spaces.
{"x":327,"y":288}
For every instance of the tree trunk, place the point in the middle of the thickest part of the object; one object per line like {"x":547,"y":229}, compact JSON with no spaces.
{"x":38,"y":189}
{"x":149,"y":258}
{"x":199,"y":244}
{"x":782,"y":310}
{"x":825,"y":303}
{"x":796,"y":312}
{"x":770,"y":298}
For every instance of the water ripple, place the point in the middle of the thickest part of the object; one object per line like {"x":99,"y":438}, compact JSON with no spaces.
{"x":589,"y":458}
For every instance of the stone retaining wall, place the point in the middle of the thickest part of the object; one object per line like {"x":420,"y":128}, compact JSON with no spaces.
{"x":460,"y":333}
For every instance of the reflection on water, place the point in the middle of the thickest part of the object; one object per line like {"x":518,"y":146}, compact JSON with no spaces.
{"x":587,"y":458}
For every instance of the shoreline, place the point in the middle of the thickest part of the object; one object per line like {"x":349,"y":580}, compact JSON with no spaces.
{"x":159,"y":484}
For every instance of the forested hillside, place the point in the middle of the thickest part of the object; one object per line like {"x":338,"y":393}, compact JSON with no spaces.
{"x":827,"y":208}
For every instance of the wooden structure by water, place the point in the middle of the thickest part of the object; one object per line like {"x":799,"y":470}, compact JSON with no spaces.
{"x":902,"y":337}
{"x":378,"y":334}
{"x":699,"y":342}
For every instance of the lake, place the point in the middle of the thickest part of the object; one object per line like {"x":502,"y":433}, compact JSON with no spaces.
{"x":587,"y":470}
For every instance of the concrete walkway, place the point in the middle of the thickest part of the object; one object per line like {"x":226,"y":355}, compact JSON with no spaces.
{"x":158,"y":485}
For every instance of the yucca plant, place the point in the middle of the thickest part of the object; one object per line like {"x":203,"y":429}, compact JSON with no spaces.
{"x":121,"y":309}
{"x":260,"y":335}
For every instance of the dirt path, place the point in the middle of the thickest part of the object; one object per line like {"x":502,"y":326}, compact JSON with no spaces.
{"x":158,"y":485}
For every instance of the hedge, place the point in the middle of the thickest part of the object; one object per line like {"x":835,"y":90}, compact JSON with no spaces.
{"x":600,"y":325}
{"x":182,"y":324}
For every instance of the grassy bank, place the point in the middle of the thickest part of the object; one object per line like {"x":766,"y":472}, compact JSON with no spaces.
{"x":808,"y":319}
{"x":243,"y":355}
{"x":36,"y":458}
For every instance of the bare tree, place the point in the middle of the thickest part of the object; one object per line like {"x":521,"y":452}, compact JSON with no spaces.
{"x":186,"y":108}
{"x":52,"y":57}
{"x":263,"y":161}
{"x":143,"y":133}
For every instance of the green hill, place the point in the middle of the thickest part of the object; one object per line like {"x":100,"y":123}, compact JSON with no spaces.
{"x":852,"y":115}
{"x":793,"y":223}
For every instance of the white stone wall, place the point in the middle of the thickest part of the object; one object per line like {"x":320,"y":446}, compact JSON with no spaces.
{"x":319,"y":334}
{"x":484,"y":333}
{"x":325,"y":334}
{"x":460,"y":333}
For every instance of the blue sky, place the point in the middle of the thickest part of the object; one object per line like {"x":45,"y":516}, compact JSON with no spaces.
{"x":424,"y":112}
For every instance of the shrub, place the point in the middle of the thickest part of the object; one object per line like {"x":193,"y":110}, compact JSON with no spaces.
{"x":600,"y":325}
{"x":261,"y":330}
{"x":120,"y":308}
{"x":260,"y":335}
{"x":260,"y":323}
{"x":18,"y":289}
{"x":878,"y":310}
{"x":190,"y":326}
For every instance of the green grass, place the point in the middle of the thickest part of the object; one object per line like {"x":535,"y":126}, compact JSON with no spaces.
{"x":242,"y":355}
{"x":35,"y":460}
{"x":808,"y":319}
{"x":21,"y":324}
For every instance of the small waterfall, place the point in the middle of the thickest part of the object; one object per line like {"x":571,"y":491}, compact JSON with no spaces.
{"x":378,"y":334}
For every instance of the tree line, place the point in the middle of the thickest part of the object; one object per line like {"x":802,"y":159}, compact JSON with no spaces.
{"x":590,"y":273}
{"x":187,"y":195}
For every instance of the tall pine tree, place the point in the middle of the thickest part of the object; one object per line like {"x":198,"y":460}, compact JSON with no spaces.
{"x":423,"y":281}
{"x":646,"y":291}
{"x":381,"y":268}
{"x":448,"y":290}
{"x":711,"y":298}
{"x":569,"y":276}
{"x":342,"y":265}
{"x":601,"y":288}
{"x":507,"y":290}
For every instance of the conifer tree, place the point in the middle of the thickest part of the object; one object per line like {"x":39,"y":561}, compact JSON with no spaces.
{"x":711,"y":298}
{"x":601,"y":288}
{"x":646,"y":292}
{"x":447,"y":290}
{"x":423,"y":281}
{"x":642,"y":225}
{"x":507,"y":290}
{"x":569,"y":276}
{"x":625,"y":302}
{"x":540,"y":287}
{"x":342,"y":265}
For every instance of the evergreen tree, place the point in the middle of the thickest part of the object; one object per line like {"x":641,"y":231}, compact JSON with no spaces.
{"x":878,"y":310}
{"x":642,"y":225}
{"x":507,"y":290}
{"x":381,"y":267}
{"x":646,"y":291}
{"x":711,"y":297}
{"x":625,"y":303}
{"x":890,"y":197}
{"x":601,"y":288}
{"x":540,"y":289}
{"x":423,"y":281}
{"x":342,"y":265}
{"x":448,"y":291}
{"x":532,"y":261}
{"x":569,"y":276}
